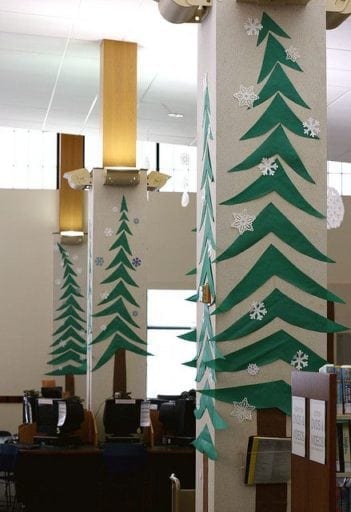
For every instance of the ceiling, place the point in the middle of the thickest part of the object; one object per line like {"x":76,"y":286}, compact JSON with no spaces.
{"x":49,"y":68}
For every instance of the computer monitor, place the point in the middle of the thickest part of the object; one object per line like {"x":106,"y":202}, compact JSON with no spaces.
{"x":56,"y":417}
{"x":177,"y":418}
{"x":121,"y":417}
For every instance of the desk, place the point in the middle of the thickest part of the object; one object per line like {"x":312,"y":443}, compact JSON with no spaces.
{"x":57,"y":479}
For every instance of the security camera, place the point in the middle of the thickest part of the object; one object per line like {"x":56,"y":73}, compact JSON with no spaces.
{"x":184,"y":11}
{"x":78,"y":179}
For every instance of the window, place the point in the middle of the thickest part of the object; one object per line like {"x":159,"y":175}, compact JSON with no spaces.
{"x":169,"y":315}
{"x":28,"y":159}
{"x":339,"y":177}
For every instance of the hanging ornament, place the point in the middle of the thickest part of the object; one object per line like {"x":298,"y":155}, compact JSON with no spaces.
{"x":185,"y":199}
{"x":335,"y":209}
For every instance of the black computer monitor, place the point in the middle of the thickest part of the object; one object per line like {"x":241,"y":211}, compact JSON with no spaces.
{"x":57,"y":417}
{"x":121,"y":417}
{"x":177,"y":418}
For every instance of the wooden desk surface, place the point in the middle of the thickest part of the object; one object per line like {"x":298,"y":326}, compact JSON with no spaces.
{"x":72,"y":479}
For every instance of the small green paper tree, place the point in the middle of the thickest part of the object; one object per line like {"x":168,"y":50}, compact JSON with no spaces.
{"x":69,"y":338}
{"x":122,"y":327}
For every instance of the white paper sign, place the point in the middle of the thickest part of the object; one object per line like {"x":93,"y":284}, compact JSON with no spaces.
{"x":298,"y":426}
{"x":317,"y":431}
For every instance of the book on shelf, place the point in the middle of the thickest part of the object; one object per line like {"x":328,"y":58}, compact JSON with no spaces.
{"x":346,"y":445}
{"x":268,"y":460}
{"x":343,"y":386}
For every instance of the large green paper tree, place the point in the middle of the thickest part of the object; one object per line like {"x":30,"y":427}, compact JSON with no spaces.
{"x":121,"y":328}
{"x":69,"y":338}
{"x":276,"y":123}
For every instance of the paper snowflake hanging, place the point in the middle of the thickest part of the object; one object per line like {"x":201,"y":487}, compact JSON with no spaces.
{"x":104,"y":295}
{"x":108,"y":231}
{"x":136,"y":262}
{"x":253,"y":369}
{"x":57,"y":282}
{"x":292,"y":54}
{"x":253,"y":26}
{"x":99,"y":261}
{"x":257,"y":311}
{"x":311,"y":127}
{"x":243,"y":221}
{"x":300,"y":360}
{"x":242,"y":410}
{"x":335,"y":209}
{"x":103,"y":327}
{"x":268,"y":166}
{"x":115,"y":209}
{"x":246,"y":96}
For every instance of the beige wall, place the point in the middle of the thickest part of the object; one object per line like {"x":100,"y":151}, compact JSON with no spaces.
{"x":27,"y":221}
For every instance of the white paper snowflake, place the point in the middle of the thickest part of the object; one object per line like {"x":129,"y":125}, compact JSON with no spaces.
{"x":104,"y":295}
{"x":108,"y":231}
{"x":103,"y":327}
{"x":242,"y":410}
{"x":57,"y":282}
{"x":253,"y":369}
{"x":253,"y":26}
{"x":292,"y":53}
{"x":243,"y":221}
{"x":268,"y":166}
{"x":335,"y":209}
{"x":115,"y":209}
{"x":257,"y":311}
{"x":211,"y":252}
{"x":246,"y":96}
{"x":311,"y":127}
{"x":300,"y":360}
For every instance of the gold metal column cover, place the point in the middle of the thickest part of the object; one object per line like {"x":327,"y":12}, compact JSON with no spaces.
{"x":71,"y":156}
{"x":119,"y":99}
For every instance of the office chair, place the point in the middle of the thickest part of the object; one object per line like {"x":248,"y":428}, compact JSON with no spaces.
{"x":124,"y":477}
{"x":8,"y":455}
{"x":183,"y":500}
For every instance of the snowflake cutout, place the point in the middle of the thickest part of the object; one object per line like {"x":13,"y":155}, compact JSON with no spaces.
{"x":311,"y":127}
{"x":136,"y":220}
{"x":103,"y":327}
{"x":57,"y":282}
{"x":300,"y":360}
{"x":292,"y":54}
{"x":268,"y":166}
{"x":257,"y":311}
{"x":242,"y":410}
{"x":135,"y":313}
{"x":243,"y":221}
{"x":253,"y":369}
{"x":136,"y":262}
{"x":104,"y":295}
{"x":253,"y":26}
{"x":335,"y":209}
{"x":115,"y":209}
{"x":246,"y":96}
{"x":108,"y":231}
{"x":99,"y":261}
{"x":211,"y":252}
{"x":185,"y":159}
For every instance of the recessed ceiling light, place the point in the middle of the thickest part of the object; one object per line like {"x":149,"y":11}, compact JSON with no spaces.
{"x":175,"y":114}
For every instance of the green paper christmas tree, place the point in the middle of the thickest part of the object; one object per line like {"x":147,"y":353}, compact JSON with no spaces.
{"x":206,"y":348}
{"x":69,"y":343}
{"x":275,"y":123}
{"x":121,"y":328}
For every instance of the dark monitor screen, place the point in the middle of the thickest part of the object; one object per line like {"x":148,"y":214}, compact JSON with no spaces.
{"x":58,"y":416}
{"x":122,"y":416}
{"x":177,"y":417}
